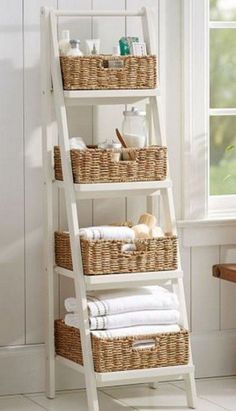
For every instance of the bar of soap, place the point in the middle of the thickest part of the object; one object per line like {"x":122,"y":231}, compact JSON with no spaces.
{"x":141,"y":231}
{"x":148,"y":219}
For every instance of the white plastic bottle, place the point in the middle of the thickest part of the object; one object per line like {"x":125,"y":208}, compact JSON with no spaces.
{"x":64,"y":43}
{"x":74,"y":49}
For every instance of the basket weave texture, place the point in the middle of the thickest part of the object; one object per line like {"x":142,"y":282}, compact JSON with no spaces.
{"x":95,"y":165}
{"x":92,"y":72}
{"x":119,"y":354}
{"x":107,"y":257}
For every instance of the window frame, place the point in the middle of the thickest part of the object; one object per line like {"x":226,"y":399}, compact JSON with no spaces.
{"x":198,"y":204}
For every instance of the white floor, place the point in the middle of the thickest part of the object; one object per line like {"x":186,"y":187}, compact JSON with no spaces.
{"x":214,"y":395}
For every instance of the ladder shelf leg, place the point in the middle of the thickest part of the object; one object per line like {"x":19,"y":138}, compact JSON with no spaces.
{"x":73,"y":223}
{"x":47,"y":136}
{"x":190,"y":388}
{"x":170,"y":227}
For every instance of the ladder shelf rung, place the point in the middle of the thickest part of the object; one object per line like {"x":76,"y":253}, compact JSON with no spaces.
{"x":113,"y":190}
{"x":131,"y":376}
{"x":102,"y":97}
{"x":141,"y":376}
{"x":109,"y":281}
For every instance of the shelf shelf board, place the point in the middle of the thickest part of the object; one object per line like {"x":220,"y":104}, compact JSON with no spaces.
{"x":112,"y":281}
{"x":117,"y":190}
{"x":102,"y":97}
{"x":129,"y":280}
{"x":141,"y":376}
{"x":132,"y":376}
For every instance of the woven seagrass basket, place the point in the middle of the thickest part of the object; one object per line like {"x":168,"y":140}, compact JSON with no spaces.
{"x":93,"y":73}
{"x":119,"y":354}
{"x":96,"y":165}
{"x":107,"y":257}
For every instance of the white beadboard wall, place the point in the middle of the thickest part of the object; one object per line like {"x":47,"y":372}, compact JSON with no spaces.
{"x":211,"y":303}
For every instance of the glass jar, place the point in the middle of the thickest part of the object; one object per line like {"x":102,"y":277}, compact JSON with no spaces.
{"x":134,"y":128}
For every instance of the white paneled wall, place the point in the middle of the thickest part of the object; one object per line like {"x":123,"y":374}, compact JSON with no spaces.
{"x":211,"y":304}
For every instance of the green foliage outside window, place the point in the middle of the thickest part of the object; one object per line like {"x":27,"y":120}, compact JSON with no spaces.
{"x":223,"y":95}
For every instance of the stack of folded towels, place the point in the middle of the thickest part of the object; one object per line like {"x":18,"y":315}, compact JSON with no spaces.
{"x":118,"y":313}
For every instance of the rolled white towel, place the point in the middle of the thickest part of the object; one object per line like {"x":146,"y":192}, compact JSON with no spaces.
{"x":148,"y":317}
{"x":107,"y":233}
{"x":122,"y":301}
{"x":126,"y":331}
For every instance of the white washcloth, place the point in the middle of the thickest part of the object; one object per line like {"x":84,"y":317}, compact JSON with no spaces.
{"x":148,"y":317}
{"x":123,"y":301}
{"x":139,"y":330}
{"x":107,"y":233}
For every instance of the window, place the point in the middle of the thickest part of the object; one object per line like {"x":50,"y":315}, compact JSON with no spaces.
{"x":209,"y":90}
{"x":222,"y":99}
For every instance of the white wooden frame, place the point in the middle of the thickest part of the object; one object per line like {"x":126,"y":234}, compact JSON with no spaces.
{"x":197,"y":202}
{"x":51,"y":65}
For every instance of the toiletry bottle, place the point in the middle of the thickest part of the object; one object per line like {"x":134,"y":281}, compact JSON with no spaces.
{"x":64,"y":43}
{"x":116,"y":50}
{"x":74,"y":49}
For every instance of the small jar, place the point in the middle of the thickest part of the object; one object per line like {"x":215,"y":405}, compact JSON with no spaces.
{"x":134,"y":128}
{"x":113,"y":145}
{"x":74,"y":49}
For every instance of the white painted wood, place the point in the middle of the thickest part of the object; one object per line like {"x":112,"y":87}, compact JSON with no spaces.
{"x":99,"y":13}
{"x":48,"y":202}
{"x":187,"y":101}
{"x":222,"y":24}
{"x":141,"y":376}
{"x":73,"y":222}
{"x":172,"y":92}
{"x":196,"y":127}
{"x":23,"y":370}
{"x":209,"y":235}
{"x":12,"y":292}
{"x":190,"y":390}
{"x":105,"y":190}
{"x":214,"y":353}
{"x":205,"y":290}
{"x":101,"y":282}
{"x":227,"y":291}
{"x":185,"y":255}
{"x":34,"y":270}
{"x":93,"y":97}
{"x":222,"y":112}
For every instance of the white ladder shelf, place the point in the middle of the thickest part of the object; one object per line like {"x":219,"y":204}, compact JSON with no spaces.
{"x":54,"y":95}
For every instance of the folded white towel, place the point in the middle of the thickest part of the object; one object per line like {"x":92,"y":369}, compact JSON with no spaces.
{"x":107,"y":233}
{"x":139,"y":330}
{"x":123,"y":301}
{"x":148,"y":317}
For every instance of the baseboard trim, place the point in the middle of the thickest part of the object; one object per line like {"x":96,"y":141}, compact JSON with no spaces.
{"x":214,"y":353}
{"x":22,"y":368}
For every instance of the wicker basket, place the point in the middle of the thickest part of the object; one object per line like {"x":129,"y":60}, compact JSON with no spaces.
{"x":119,"y":354}
{"x":107,"y":257}
{"x":93,"y":73}
{"x":97,"y":166}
